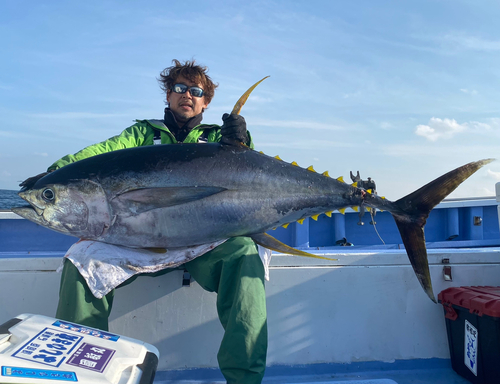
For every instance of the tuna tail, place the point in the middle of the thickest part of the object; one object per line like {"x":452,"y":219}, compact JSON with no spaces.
{"x":417,"y":207}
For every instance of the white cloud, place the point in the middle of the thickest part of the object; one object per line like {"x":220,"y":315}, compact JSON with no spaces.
{"x":75,"y":115}
{"x":472,"y":42}
{"x":260,"y":99}
{"x":470,"y":92}
{"x":447,"y":128}
{"x":440,"y":129}
{"x":386,"y":125}
{"x":480,"y":127}
{"x":297,"y":124}
{"x":305,"y":144}
{"x":494,"y":175}
{"x":43,"y":154}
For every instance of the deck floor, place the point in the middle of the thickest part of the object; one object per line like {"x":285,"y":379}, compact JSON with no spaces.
{"x":423,"y":371}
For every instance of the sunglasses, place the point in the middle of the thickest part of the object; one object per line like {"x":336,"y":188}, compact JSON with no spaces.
{"x":182,"y":88}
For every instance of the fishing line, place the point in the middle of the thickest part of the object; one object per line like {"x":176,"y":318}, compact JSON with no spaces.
{"x":375,"y":225}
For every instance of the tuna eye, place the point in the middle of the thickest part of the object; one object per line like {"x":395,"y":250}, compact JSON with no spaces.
{"x":48,"y":194}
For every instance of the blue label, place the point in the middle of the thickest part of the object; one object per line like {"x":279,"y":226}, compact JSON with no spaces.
{"x":86,"y":331}
{"x":29,"y":373}
{"x":49,"y":347}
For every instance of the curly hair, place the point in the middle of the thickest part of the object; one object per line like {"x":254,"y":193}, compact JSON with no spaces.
{"x":191,"y":71}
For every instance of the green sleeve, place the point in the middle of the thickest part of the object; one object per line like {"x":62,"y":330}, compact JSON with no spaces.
{"x":134,"y":136}
{"x":250,"y":141}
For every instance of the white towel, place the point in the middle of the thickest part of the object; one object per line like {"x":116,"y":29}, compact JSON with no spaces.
{"x":104,"y":266}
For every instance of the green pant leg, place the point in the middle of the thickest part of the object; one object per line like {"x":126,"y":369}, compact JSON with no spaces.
{"x":234,"y":270}
{"x":77,"y":303}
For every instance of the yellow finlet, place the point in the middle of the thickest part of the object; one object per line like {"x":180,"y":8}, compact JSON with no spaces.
{"x":315,"y":217}
{"x":278,"y":158}
{"x":242,"y":100}
{"x":285,"y":225}
{"x":329,"y":213}
{"x":355,"y":185}
{"x":356,"y":209}
{"x":294,"y":163}
{"x":342,"y":211}
{"x":341,"y":179}
{"x":310,"y":168}
{"x":261,"y":152}
{"x":301,"y":221}
{"x":369,"y":191}
{"x":368,"y":209}
{"x":326,"y":174}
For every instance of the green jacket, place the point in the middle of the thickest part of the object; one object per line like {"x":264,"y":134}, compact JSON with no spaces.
{"x":142,"y":133}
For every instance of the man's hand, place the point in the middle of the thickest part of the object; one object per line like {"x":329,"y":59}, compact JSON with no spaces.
{"x":234,"y":129}
{"x":30,"y":181}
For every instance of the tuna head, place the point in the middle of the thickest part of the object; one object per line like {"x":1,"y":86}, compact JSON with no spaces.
{"x":78,"y":208}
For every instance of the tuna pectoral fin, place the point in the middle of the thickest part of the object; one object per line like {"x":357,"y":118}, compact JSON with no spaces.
{"x":156,"y":250}
{"x":414,"y":210}
{"x":267,"y":241}
{"x":146,"y":199}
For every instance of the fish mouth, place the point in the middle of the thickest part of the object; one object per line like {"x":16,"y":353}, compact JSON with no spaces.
{"x":28,"y":212}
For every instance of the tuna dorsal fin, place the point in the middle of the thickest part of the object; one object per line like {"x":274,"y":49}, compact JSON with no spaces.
{"x":242,"y":100}
{"x":270,"y":242}
{"x":146,"y":199}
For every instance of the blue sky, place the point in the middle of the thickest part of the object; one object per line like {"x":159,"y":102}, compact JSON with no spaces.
{"x":402,"y":91}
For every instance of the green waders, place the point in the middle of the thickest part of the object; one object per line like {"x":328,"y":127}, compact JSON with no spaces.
{"x":234,"y":271}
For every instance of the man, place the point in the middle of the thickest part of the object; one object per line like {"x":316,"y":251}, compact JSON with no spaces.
{"x":233,"y":269}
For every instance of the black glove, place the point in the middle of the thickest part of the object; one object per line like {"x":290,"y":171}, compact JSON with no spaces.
{"x":31,"y":181}
{"x":234,"y":129}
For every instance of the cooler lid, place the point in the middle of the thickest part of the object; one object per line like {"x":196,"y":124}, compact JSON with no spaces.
{"x":479,"y":300}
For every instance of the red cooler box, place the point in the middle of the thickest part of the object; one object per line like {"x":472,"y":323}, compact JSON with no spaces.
{"x":473,"y":326}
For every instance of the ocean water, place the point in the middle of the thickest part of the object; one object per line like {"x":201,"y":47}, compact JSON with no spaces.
{"x":9,"y":199}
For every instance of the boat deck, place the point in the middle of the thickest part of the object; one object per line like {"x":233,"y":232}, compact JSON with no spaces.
{"x":423,"y":371}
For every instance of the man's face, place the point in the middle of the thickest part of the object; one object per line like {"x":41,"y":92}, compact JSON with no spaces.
{"x":184,"y":105}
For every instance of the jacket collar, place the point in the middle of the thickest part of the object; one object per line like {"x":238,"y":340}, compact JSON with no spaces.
{"x":180,"y":133}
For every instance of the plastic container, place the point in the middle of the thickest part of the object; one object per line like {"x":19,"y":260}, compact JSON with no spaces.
{"x":41,"y":349}
{"x":472,"y":317}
